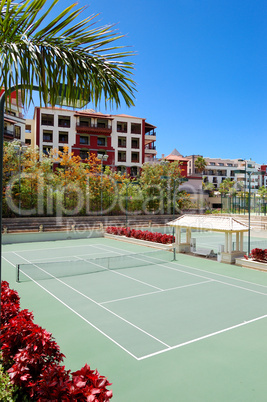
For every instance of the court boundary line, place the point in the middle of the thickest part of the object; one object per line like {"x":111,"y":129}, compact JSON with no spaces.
{"x":54,"y":248}
{"x":78,"y":314}
{"x":156,"y":292}
{"x":207,"y":272}
{"x":202,"y":337}
{"x":95,"y":302}
{"x":169,"y":348}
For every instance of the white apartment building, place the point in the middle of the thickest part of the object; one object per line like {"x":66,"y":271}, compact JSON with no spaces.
{"x":218,"y":170}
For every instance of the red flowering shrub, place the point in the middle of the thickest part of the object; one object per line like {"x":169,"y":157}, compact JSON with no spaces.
{"x":10,"y":303}
{"x":88,"y":385}
{"x":140,"y":234}
{"x":258,"y":254}
{"x":33,"y":359}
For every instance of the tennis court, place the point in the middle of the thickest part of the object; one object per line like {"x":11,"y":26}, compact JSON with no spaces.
{"x":158,"y":329}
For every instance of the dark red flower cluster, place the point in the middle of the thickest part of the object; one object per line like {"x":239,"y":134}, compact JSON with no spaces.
{"x":33,"y":359}
{"x":258,"y":254}
{"x":141,"y":234}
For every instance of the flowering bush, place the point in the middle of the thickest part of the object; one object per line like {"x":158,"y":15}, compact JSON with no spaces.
{"x":258,"y":254}
{"x":32,"y":358}
{"x":140,"y":234}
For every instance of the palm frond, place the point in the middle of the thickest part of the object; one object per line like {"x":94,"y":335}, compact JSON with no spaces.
{"x":85,"y":58}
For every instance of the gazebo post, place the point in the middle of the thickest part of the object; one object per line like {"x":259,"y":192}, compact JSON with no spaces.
{"x":241,"y":241}
{"x":237,"y":241}
{"x":226,"y":242}
{"x":230,"y":245}
{"x":222,"y":224}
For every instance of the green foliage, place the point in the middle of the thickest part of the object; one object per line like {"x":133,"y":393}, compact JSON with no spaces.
{"x":38,"y":55}
{"x":227,"y":186}
{"x":200,"y":163}
{"x":6,"y":388}
{"x":33,"y":187}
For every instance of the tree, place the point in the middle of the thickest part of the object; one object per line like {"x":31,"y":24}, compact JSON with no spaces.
{"x":81,"y":57}
{"x":200,"y":164}
{"x":227,"y":186}
{"x":262,"y":191}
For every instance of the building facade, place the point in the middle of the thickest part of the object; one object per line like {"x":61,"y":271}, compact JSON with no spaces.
{"x":14,"y":122}
{"x":217,"y":170}
{"x":125,"y":140}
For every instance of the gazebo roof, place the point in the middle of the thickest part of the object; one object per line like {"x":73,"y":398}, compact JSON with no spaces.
{"x":210,"y":222}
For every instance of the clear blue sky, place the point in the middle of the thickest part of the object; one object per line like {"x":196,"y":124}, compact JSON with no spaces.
{"x":200,"y":72}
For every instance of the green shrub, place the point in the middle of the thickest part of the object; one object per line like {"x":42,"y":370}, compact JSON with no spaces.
{"x":6,"y":388}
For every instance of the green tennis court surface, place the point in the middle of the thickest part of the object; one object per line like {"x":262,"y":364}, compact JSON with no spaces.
{"x":160,"y":330}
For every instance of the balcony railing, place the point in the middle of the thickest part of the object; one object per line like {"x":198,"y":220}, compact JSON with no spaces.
{"x":151,"y":132}
{"x":93,"y":128}
{"x":150,"y":146}
{"x":9,"y":134}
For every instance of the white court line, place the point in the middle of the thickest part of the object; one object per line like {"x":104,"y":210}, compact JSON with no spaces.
{"x":55,"y":248}
{"x":159,"y":291}
{"x":75,"y":312}
{"x":202,"y":337}
{"x":119,"y":273}
{"x":103,"y":307}
{"x":52,"y":259}
{"x":206,"y":272}
{"x":169,"y":348}
{"x":4,"y":258}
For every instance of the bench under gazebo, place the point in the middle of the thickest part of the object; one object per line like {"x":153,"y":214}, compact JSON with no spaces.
{"x":225,"y":224}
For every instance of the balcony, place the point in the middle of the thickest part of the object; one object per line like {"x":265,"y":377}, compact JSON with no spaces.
{"x":89,"y":128}
{"x":9,"y":134}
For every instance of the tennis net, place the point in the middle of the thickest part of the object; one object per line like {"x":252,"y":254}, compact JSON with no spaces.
{"x":60,"y":269}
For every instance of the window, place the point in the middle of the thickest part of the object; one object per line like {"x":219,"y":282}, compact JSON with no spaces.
{"x":121,"y":127}
{"x":101,"y":153}
{"x":85,"y":122}
{"x":28,"y":128}
{"x":47,"y":136}
{"x":64,"y":121}
{"x":18,"y":132}
{"x":10,"y":113}
{"x":84,"y":154}
{"x":122,"y":142}
{"x":46,"y":150}
{"x":28,"y":141}
{"x":47,"y":120}
{"x":135,"y":157}
{"x":121,"y":156}
{"x":101,"y":141}
{"x":212,"y":163}
{"x":135,"y":128}
{"x":102,"y":123}
{"x":229,"y":164}
{"x":135,"y":142}
{"x":221,"y":164}
{"x":84,"y":139}
{"x":63,"y":137}
{"x":134,"y":171}
{"x":121,"y":169}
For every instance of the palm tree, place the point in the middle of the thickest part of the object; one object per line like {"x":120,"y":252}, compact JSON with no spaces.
{"x":200,"y":164}
{"x":81,"y":57}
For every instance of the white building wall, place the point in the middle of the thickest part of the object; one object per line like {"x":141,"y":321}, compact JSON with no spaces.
{"x":129,"y":136}
{"x":55,"y":129}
